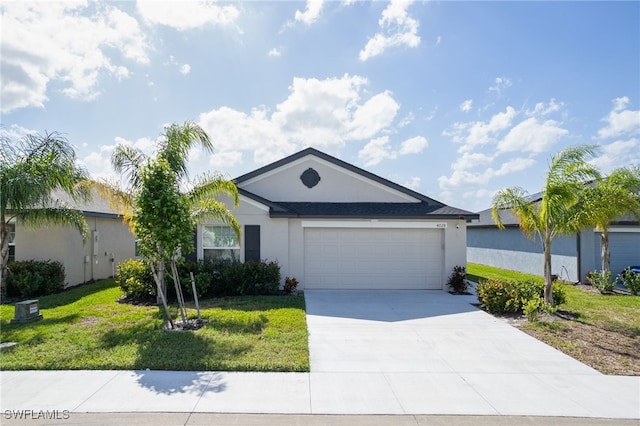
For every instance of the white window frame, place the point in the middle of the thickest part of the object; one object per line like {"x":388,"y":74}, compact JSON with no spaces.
{"x":12,"y":240}
{"x":235,"y":249}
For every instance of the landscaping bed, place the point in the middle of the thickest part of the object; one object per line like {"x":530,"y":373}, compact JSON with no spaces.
{"x":88,"y":328}
{"x":600,"y":330}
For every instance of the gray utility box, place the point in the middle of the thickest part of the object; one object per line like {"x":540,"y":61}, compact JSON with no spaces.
{"x":27,"y":311}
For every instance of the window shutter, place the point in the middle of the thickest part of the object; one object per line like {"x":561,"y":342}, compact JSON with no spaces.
{"x":252,"y":243}
{"x":194,"y":254}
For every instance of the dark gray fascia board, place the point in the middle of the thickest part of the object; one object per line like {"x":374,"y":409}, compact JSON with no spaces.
{"x":273,"y":207}
{"x":337,"y":162}
{"x":101,"y":215}
{"x":274,"y":214}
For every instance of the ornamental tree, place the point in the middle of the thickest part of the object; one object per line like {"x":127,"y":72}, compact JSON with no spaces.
{"x":160,"y":213}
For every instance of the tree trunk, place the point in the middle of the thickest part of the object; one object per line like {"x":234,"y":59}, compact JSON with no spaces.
{"x":159,"y":279}
{"x":548,"y":283}
{"x":179,"y":295}
{"x":605,"y":252}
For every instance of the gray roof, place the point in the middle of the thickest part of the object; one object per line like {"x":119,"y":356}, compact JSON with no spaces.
{"x":420,"y":210}
{"x":510,"y":220}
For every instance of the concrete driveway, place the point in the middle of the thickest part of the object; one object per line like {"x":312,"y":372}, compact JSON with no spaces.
{"x":430,"y":352}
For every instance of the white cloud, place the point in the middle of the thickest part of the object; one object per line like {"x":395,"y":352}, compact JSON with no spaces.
{"x":65,"y":42}
{"x":462,"y":178}
{"x":511,"y":166}
{"x":376,"y":114}
{"x":621,"y":153}
{"x":541,"y":109}
{"x":466,"y":105}
{"x":501,"y":83}
{"x":413,"y":145}
{"x":531,"y":135}
{"x":311,"y":12}
{"x":397,"y":29}
{"x":620,"y":120}
{"x":413,"y":183}
{"x":406,"y":120}
{"x":322,"y":113}
{"x":380,"y":149}
{"x":226,"y":159}
{"x":481,"y":133}
{"x":185,"y":69}
{"x":15,"y":132}
{"x":376,"y":151}
{"x":184,"y":15}
{"x":472,"y":160}
{"x":274,"y":52}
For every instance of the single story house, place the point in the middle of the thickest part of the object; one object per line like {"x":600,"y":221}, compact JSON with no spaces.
{"x":572,"y":256}
{"x":332,"y":225}
{"x":110,"y":242}
{"x":327,"y":223}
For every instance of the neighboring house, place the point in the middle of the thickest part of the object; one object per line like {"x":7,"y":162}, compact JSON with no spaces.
{"x":572,"y":256}
{"x":110,"y":242}
{"x":333,"y":225}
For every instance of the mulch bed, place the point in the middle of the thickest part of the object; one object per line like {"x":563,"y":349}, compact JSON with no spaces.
{"x":609,"y":351}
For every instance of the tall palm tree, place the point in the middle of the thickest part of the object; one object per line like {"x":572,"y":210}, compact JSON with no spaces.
{"x":608,"y":199}
{"x":31,"y":170}
{"x":162,"y":179}
{"x":557,"y":212}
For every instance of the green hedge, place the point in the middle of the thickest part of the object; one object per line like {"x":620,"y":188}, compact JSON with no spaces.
{"x":35,"y":278}
{"x":503,"y":296}
{"x":212,"y":278}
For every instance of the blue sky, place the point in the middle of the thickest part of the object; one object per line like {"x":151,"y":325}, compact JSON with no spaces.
{"x":453,"y":99}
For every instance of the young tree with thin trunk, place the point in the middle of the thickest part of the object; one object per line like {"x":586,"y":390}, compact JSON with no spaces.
{"x":32,"y":169}
{"x":557,"y":212}
{"x":160,"y":212}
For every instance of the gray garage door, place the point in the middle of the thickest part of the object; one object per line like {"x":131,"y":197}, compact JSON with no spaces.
{"x":373,"y":258}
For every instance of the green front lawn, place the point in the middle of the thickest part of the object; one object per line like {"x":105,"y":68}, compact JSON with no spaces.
{"x":602,"y":331}
{"x":86,"y":328}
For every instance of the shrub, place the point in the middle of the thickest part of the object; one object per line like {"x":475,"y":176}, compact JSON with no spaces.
{"x":458,"y":280}
{"x":290,"y":285}
{"x":136,"y":280}
{"x":501,"y":296}
{"x":35,"y":278}
{"x":254,"y":278}
{"x":225,"y":278}
{"x":602,"y":281}
{"x":631,"y":280}
{"x":535,"y":306}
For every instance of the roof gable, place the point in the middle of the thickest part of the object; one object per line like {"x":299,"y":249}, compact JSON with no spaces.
{"x":339,"y":182}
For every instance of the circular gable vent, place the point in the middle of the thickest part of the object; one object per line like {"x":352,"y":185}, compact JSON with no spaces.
{"x":310,"y":178}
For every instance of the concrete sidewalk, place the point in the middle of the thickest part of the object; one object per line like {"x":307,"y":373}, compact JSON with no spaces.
{"x":408,"y":357}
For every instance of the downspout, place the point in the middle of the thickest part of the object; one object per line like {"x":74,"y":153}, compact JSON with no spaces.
{"x":579,"y":256}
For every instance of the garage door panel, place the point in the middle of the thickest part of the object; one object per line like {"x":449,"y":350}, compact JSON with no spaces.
{"x":373,"y":258}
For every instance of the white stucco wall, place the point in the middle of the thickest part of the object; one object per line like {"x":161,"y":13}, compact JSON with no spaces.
{"x":336,"y":185}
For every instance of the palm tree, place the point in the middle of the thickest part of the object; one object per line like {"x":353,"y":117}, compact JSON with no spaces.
{"x":31,"y":170}
{"x":608,"y":199}
{"x":160,"y":212}
{"x":557,"y":211}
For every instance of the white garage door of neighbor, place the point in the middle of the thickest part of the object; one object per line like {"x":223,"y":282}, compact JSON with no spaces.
{"x":373,"y":258}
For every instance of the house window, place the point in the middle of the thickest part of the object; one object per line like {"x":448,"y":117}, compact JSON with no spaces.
{"x":12,"y":239}
{"x":220,"y":243}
